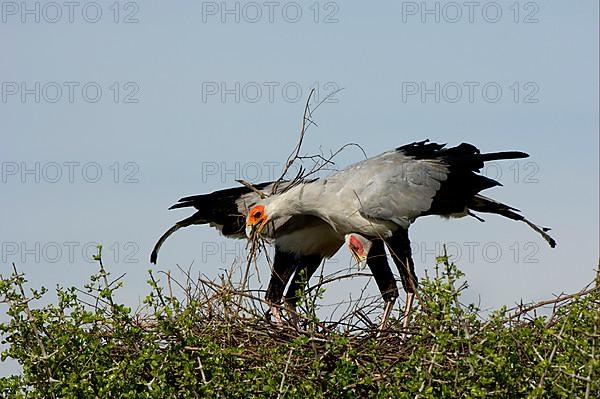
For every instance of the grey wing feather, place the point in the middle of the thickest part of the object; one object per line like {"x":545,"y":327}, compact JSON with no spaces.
{"x":397,"y":187}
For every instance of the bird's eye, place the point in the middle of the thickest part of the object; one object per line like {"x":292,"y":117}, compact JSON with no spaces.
{"x":257,"y":214}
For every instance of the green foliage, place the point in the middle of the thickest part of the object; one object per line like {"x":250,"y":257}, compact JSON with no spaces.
{"x":209,"y":344}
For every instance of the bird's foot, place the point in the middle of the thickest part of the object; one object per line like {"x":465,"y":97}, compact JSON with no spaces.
{"x":276,"y":313}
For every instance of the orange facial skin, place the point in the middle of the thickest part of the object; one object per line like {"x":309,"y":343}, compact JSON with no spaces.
{"x":257,"y":217}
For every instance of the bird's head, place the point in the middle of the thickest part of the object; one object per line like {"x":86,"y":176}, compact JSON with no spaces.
{"x":359,"y":246}
{"x":257,"y":219}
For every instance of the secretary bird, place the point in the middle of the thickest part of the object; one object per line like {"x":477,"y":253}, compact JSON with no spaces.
{"x":377,"y":199}
{"x":301,"y":242}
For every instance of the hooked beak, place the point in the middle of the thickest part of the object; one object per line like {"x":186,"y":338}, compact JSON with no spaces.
{"x":359,"y":247}
{"x":255,"y":228}
{"x":358,"y":257}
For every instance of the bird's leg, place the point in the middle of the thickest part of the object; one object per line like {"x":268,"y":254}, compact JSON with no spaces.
{"x":295,"y":292}
{"x":283,"y":267}
{"x":377,"y":262}
{"x":276,"y":315}
{"x":399,"y":245}
{"x":387,"y":310}
{"x":410,"y":297}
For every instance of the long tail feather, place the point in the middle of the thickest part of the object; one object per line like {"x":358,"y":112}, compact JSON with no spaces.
{"x":182,"y":223}
{"x":496,"y":156}
{"x":488,"y":205}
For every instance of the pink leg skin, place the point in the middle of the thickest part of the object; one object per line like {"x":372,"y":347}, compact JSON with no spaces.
{"x":276,"y":315}
{"x":384,"y":318}
{"x":410,"y":297}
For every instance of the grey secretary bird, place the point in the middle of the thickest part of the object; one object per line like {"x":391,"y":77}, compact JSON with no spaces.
{"x":301,"y":242}
{"x":376,"y":200}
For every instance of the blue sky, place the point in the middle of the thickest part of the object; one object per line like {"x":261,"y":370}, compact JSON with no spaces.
{"x":105,"y":124}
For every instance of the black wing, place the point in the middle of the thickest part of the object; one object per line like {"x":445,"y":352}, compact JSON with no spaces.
{"x":220,"y":208}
